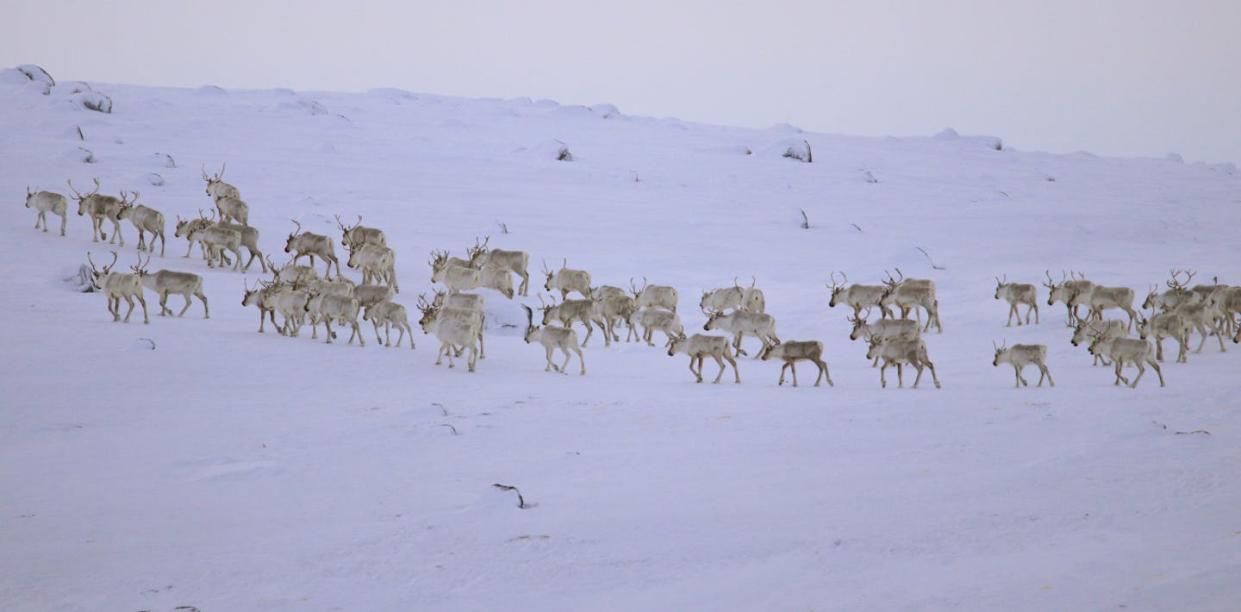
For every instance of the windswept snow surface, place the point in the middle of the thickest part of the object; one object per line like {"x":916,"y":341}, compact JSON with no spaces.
{"x":231,"y":470}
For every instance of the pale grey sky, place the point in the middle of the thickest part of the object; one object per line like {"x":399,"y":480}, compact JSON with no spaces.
{"x":1116,"y":77}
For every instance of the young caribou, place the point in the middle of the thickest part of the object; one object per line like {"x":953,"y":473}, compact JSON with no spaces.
{"x":117,"y":286}
{"x":566,"y":280}
{"x":1021,"y":355}
{"x":1017,"y":294}
{"x":389,"y":314}
{"x":100,"y":207}
{"x":652,"y":319}
{"x":516,"y":262}
{"x":166,"y":282}
{"x":1166,"y":325}
{"x":899,"y":352}
{"x":701,"y":346}
{"x":1127,"y":350}
{"x":857,"y":296}
{"x":1067,"y":291}
{"x":145,"y":219}
{"x":307,"y":244}
{"x":339,"y":308}
{"x":793,"y":351}
{"x":553,"y":338}
{"x":742,"y":323}
{"x":48,"y":202}
{"x":654,"y":296}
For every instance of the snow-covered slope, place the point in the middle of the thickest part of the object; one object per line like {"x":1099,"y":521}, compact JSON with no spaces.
{"x":230,"y":470}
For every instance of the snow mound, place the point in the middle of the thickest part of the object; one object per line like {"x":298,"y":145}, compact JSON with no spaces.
{"x":951,"y":135}
{"x":605,"y":111}
{"x":37,"y":74}
{"x":785,"y":128}
{"x":550,"y":150}
{"x":790,"y":148}
{"x":391,"y":93}
{"x":211,"y":90}
{"x":93,"y":100}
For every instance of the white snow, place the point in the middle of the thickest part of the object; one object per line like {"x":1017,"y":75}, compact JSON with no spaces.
{"x":230,"y":470}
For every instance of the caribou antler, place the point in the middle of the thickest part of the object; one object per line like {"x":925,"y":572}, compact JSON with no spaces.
{"x":299,"y":226}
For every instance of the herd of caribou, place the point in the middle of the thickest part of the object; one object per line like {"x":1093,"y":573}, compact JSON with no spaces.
{"x":456,"y":315}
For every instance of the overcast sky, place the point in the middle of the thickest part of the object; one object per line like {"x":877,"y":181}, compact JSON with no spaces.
{"x":1117,"y":77}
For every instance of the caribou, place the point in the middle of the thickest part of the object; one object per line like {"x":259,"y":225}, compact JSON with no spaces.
{"x":516,"y":262}
{"x":389,"y":314}
{"x":441,"y":260}
{"x":654,"y":296}
{"x":1021,"y":355}
{"x":457,"y":278}
{"x":610,"y":310}
{"x":701,"y":346}
{"x":736,"y":297}
{"x":1127,"y":350}
{"x":292,"y":274}
{"x":742,"y":323}
{"x":187,"y":226}
{"x":569,"y":311}
{"x":857,"y":296}
{"x":566,"y":280}
{"x":451,"y":332}
{"x":1067,"y":291}
{"x":377,"y":262}
{"x":1100,"y":298}
{"x":166,"y":282}
{"x":1166,"y":325}
{"x":793,"y":351}
{"x":355,"y":236}
{"x":233,"y":209}
{"x":48,"y":202}
{"x":899,"y":352}
{"x":307,"y":244}
{"x":339,"y":308}
{"x":883,"y":329}
{"x":217,"y":188}
{"x":117,"y":286}
{"x":145,"y":219}
{"x":911,"y":294}
{"x":100,"y":207}
{"x":554,"y":338}
{"x":1017,"y":294}
{"x":1176,"y":295}
{"x":464,"y":306}
{"x":1086,"y":330}
{"x":217,"y":240}
{"x":652,"y":319}
{"x":1203,"y":319}
{"x":262,"y":296}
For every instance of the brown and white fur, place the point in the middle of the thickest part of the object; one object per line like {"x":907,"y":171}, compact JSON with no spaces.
{"x":654,"y":296}
{"x":308,"y":244}
{"x":1127,"y":350}
{"x":1017,"y":294}
{"x":517,"y":262}
{"x":48,"y":202}
{"x":117,"y":286}
{"x":743,"y":323}
{"x":793,"y":351}
{"x":900,"y":352}
{"x":145,"y":219}
{"x":701,"y":346}
{"x":1021,"y":355}
{"x":553,"y":338}
{"x":1166,"y":325}
{"x":389,"y":314}
{"x":567,"y":281}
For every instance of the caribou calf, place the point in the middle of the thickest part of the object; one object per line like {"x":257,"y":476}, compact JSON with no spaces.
{"x":652,"y":319}
{"x":48,"y":202}
{"x":701,"y":346}
{"x":390,"y":314}
{"x":554,"y":338}
{"x":793,"y":351}
{"x":1021,"y":355}
{"x":1017,"y":294}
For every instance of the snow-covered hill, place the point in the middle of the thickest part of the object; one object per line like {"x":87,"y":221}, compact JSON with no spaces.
{"x":229,"y":470}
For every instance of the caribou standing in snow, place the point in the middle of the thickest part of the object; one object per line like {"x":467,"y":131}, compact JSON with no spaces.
{"x":553,"y":338}
{"x":1086,"y":330}
{"x":883,"y":329}
{"x":1021,"y":355}
{"x":1017,"y":294}
{"x":857,"y":296}
{"x":793,"y":351}
{"x":701,"y":346}
{"x":654,"y":296}
{"x":1127,"y":350}
{"x":899,"y":352}
{"x":749,"y":299}
{"x":1166,"y":325}
{"x":48,"y":202}
{"x":390,"y":314}
{"x":742,"y":323}
{"x":145,"y":219}
{"x":166,"y":282}
{"x":100,"y":207}
{"x":567,"y":280}
{"x":217,"y":188}
{"x":307,"y":244}
{"x":652,"y":319}
{"x":117,"y":286}
{"x":354,"y":236}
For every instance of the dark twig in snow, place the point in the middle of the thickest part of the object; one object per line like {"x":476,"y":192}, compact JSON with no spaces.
{"x":441,"y":407}
{"x":928,"y":258}
{"x":454,"y":429}
{"x":148,"y":341}
{"x":81,"y":136}
{"x":503,"y":228}
{"x":521,"y":501}
{"x":1196,"y":431}
{"x":857,"y":227}
{"x":805,"y":221}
